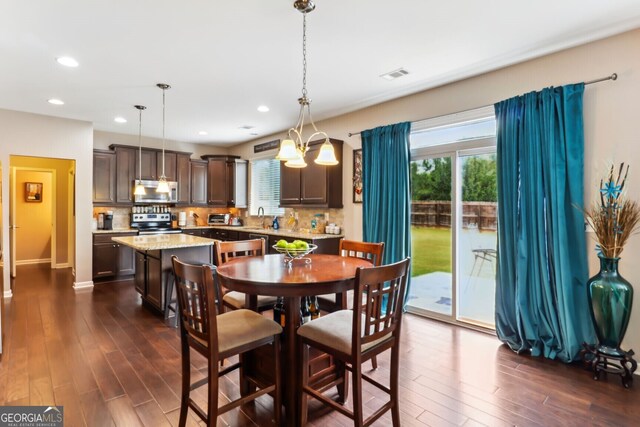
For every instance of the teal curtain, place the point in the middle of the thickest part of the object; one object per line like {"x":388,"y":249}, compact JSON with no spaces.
{"x":386,"y":191}
{"x":541,"y":299}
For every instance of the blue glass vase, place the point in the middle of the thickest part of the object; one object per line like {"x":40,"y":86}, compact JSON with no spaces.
{"x":611,"y":298}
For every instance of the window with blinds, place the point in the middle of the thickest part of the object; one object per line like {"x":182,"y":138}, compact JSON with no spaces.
{"x":265,"y":187}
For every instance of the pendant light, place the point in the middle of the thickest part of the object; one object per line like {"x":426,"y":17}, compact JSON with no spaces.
{"x":139,"y":191}
{"x":293,"y":149}
{"x":163,"y":186}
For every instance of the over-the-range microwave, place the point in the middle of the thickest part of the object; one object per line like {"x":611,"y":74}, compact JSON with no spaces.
{"x":152,"y":196}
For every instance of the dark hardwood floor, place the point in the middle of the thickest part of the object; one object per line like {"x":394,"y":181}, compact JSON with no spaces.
{"x":109,"y":361}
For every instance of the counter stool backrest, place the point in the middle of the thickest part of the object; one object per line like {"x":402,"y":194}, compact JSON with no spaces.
{"x":228,"y":250}
{"x":364,"y":250}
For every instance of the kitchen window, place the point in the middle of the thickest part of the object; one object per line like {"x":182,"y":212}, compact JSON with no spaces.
{"x":265,"y":187}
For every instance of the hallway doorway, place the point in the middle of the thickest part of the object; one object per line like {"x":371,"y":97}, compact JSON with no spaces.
{"x":41,"y":214}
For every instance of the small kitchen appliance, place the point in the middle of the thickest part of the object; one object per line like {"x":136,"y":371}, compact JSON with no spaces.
{"x":182,"y":219}
{"x":218,"y":219}
{"x":108,"y":221}
{"x":153,"y":223}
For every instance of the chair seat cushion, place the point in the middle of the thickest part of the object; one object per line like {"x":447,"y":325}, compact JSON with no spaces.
{"x":334,"y":331}
{"x":236,"y":299}
{"x":240,"y":327}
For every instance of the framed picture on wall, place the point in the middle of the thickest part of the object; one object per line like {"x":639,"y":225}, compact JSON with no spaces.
{"x":357,"y":176}
{"x":33,"y":192}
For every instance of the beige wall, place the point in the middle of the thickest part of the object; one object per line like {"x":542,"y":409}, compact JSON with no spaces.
{"x":33,"y":238}
{"x":102,"y":140}
{"x":64,"y":168}
{"x":25,"y":134}
{"x":611,"y":116}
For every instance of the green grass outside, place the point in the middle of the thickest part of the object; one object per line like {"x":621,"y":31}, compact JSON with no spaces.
{"x":430,"y":250}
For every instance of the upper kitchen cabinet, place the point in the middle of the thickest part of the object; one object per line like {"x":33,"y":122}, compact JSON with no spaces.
{"x":125,"y":174}
{"x":314,"y":185}
{"x":198,"y":182}
{"x":226,"y":181}
{"x":104,"y":177}
{"x":151,"y":164}
{"x":183,"y":176}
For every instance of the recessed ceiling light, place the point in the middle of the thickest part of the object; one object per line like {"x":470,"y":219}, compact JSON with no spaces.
{"x":55,"y":101}
{"x":203,"y":132}
{"x":263,"y":109}
{"x":120,"y":120}
{"x":67,"y":61}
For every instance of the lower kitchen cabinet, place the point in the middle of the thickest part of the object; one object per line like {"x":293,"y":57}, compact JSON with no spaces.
{"x":112,"y":260}
{"x":154,"y":271}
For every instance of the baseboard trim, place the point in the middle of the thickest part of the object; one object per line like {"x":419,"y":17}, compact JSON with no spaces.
{"x":8,"y":294}
{"x":63,"y":265}
{"x":79,"y":286}
{"x":33,"y":261}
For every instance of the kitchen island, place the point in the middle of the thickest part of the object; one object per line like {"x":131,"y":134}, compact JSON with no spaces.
{"x":153,"y":269}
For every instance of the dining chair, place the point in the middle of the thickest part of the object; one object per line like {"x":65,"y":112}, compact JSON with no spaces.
{"x":225,"y":251}
{"x":355,"y":336}
{"x":219,"y":336}
{"x":355,"y":249}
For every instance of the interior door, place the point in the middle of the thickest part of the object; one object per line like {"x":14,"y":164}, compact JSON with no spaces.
{"x":12,"y":222}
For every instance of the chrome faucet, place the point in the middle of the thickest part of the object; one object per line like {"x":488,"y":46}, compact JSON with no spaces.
{"x":261,"y":216}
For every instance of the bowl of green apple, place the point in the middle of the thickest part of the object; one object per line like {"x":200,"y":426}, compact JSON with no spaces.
{"x":297,"y":249}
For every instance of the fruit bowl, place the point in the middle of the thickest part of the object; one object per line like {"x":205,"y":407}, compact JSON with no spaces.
{"x":291,"y":254}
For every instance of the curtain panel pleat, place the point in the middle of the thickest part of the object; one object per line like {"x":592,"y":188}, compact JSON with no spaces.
{"x":386,"y":189}
{"x":541,"y":299}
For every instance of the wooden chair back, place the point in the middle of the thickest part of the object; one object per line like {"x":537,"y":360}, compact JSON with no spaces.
{"x":196,"y":289}
{"x":373,"y":320}
{"x":224,"y":251}
{"x":364,"y":250}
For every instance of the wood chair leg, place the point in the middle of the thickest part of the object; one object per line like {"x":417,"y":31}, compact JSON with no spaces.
{"x":277,"y":395}
{"x":304,"y":403}
{"x":393,"y":385}
{"x":212,"y":409}
{"x":343,"y":387}
{"x":356,"y":373}
{"x":186,"y":382}
{"x":374,"y":362}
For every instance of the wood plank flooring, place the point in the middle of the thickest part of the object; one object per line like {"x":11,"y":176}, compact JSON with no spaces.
{"x":111,"y":362}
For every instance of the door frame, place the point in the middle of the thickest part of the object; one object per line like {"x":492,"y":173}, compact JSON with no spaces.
{"x":12,"y":214}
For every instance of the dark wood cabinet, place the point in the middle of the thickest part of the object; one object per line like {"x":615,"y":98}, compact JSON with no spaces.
{"x":226,"y":181}
{"x":104,"y":177}
{"x":325,"y":246}
{"x":140,"y":276}
{"x":125,"y":174}
{"x":313,"y":185}
{"x":183,"y":176}
{"x":217,"y":181}
{"x":170,"y":165}
{"x":198,"y":182}
{"x":112,"y":260}
{"x":147,"y":163}
{"x":154,"y":282}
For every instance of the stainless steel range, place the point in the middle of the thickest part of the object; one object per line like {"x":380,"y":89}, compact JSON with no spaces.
{"x":153,"y":223}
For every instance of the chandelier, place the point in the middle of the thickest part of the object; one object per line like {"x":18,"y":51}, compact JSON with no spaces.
{"x":163,"y":186}
{"x":294,"y":148}
{"x":139,"y":187}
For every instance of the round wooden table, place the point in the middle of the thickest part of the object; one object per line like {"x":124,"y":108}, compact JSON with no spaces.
{"x":269,"y":275}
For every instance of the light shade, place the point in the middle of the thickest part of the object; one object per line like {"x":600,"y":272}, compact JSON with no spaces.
{"x":287,"y":150}
{"x":139,"y":191}
{"x":163,"y":186}
{"x":327,"y":156}
{"x":298,"y":162}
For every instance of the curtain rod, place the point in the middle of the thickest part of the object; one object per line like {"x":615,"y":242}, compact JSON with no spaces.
{"x":613,"y":77}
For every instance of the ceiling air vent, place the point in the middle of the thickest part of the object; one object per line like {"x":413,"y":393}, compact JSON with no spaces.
{"x":246,"y":127}
{"x":392,"y":75}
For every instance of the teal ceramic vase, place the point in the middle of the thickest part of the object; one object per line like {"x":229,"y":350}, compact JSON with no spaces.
{"x":611,"y":298}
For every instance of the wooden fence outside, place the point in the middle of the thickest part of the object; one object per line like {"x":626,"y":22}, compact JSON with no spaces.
{"x":481,"y":215}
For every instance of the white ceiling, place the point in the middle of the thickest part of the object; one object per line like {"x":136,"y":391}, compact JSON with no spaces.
{"x":224,"y":58}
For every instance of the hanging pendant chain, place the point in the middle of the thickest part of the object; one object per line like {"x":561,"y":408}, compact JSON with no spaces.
{"x":163,"y":107}
{"x":140,"y":144}
{"x":304,"y":55}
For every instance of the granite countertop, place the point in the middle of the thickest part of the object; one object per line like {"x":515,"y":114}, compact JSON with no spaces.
{"x":300,"y":234}
{"x":154,"y":242}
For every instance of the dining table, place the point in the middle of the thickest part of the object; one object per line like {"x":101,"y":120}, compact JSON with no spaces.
{"x":316,"y":274}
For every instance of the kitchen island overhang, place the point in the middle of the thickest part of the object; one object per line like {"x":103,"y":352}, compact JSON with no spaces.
{"x":154,"y":272}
